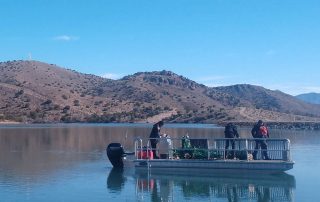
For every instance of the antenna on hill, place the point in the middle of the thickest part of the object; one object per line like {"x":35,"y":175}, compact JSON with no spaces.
{"x":30,"y":56}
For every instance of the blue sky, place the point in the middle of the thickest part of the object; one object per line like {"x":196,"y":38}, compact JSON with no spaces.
{"x":271,"y":43}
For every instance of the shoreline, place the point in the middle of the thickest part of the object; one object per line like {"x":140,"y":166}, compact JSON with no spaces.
{"x":271,"y":125}
{"x":10,"y":122}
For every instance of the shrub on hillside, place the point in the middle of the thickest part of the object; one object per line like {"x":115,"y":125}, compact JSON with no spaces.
{"x":64,"y":97}
{"x":76,"y":103}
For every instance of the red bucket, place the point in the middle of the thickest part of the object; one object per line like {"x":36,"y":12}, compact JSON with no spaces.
{"x":146,"y":154}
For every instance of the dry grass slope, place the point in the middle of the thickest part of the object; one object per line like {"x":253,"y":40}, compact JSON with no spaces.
{"x":32,"y":91}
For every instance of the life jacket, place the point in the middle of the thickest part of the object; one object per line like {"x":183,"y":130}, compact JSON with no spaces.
{"x":263,"y":131}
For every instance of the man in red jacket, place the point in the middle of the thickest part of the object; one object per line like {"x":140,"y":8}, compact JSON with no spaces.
{"x":260,"y":132}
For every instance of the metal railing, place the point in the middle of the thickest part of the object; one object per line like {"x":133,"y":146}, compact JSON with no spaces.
{"x":215,"y":149}
{"x":277,"y":149}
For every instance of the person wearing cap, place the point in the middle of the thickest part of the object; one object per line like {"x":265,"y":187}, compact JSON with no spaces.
{"x":260,"y":132}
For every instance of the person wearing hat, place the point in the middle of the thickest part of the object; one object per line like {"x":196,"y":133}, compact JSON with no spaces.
{"x":260,"y":132}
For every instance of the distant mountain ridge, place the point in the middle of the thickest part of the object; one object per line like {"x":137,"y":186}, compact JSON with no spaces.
{"x":313,"y":98}
{"x":33,"y":91}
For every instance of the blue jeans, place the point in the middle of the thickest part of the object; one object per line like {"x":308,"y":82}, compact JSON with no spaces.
{"x":263,"y":145}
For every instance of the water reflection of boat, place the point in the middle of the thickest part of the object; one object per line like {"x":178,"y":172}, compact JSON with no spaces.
{"x":116,"y":179}
{"x":282,"y":179}
{"x":233,"y":187}
{"x":209,"y":154}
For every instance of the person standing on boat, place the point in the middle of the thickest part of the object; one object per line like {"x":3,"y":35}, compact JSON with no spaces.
{"x":260,"y":131}
{"x":154,"y":137}
{"x":231,"y":133}
{"x":165,"y":147}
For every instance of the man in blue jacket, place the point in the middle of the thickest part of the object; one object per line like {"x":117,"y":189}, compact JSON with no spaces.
{"x":231,"y":132}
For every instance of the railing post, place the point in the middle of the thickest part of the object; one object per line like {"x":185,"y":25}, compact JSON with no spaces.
{"x":246,"y":148}
{"x":208,"y":149}
{"x":137,"y":141}
{"x":288,"y":150}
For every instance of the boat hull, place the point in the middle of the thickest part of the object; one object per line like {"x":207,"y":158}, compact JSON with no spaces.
{"x":221,"y":165}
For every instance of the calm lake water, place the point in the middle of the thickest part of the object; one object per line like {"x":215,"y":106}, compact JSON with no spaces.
{"x":69,"y":163}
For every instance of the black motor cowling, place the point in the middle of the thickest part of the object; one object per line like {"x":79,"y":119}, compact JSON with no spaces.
{"x":115,"y":153}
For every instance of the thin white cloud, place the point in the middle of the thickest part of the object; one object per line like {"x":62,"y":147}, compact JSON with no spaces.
{"x":111,"y":76}
{"x":213,"y":78}
{"x":65,"y":38}
{"x":215,"y":84}
{"x":310,"y":89}
{"x":214,"y":81}
{"x":294,"y":89}
{"x":288,"y":88}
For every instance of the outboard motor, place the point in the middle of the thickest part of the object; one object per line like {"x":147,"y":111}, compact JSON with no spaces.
{"x":115,"y":153}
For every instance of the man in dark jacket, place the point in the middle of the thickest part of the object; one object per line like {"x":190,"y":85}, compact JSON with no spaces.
{"x":230,"y":131}
{"x":260,"y":131}
{"x":154,"y":137}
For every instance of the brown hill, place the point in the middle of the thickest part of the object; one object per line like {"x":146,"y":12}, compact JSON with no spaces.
{"x":278,"y":103}
{"x":33,"y":91}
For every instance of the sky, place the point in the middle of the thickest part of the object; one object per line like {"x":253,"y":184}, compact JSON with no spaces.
{"x":270,"y":43}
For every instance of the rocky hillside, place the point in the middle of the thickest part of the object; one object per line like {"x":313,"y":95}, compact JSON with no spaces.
{"x":275,"y":103}
{"x":33,"y":91}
